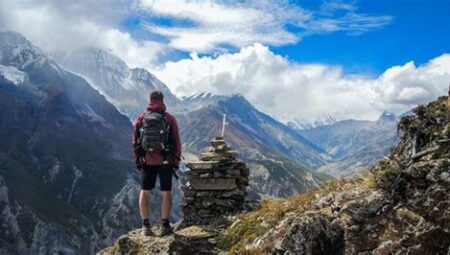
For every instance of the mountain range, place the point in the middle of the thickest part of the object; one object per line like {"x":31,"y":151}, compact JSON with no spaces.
{"x":337,"y":148}
{"x":68,"y":184}
{"x":355,"y":145}
{"x":258,"y":137}
{"x":279,"y":157}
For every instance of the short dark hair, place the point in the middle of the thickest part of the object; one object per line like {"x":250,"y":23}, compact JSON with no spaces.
{"x":156,"y":95}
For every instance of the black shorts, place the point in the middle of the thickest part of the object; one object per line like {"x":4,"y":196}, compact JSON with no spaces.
{"x":164,"y":173}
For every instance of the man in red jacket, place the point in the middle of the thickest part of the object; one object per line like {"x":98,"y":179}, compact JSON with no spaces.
{"x":156,"y":163}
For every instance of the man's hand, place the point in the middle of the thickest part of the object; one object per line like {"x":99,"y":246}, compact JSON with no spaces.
{"x":175,"y":172}
{"x":140,"y":162}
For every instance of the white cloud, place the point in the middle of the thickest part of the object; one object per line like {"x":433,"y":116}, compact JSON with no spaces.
{"x":65,"y":25}
{"x":304,"y":92}
{"x":217,"y":24}
{"x":329,"y":7}
{"x":214,"y":23}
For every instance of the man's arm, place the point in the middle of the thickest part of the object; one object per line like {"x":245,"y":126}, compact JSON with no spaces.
{"x":138,"y":152}
{"x":177,"y":149}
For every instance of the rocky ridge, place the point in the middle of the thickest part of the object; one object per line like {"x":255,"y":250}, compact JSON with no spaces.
{"x":400,"y":207}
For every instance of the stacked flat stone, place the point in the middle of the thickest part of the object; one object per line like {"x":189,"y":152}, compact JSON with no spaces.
{"x":217,"y":185}
{"x":194,"y":240}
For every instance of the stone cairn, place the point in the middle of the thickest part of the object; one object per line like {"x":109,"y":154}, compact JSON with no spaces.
{"x":217,"y":185}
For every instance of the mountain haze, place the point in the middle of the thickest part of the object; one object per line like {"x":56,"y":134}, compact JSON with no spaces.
{"x":127,"y":88}
{"x":355,"y":145}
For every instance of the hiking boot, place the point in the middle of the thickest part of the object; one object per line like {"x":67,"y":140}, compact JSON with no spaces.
{"x":166,"y":230}
{"x":147,"y":231}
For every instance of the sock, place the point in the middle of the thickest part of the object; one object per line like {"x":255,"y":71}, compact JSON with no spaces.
{"x":146,"y":222}
{"x":165,"y":222}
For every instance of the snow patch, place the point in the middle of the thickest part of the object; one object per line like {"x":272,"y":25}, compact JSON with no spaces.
{"x":309,"y":177}
{"x":260,"y":171}
{"x":13,"y":74}
{"x":91,"y":114}
{"x":9,"y":214}
{"x":54,"y":171}
{"x":78,"y":174}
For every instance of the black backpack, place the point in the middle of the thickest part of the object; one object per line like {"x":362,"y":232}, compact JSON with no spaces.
{"x":154,"y":133}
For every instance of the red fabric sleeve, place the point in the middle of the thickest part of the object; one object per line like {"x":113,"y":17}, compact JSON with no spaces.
{"x":137,"y":150}
{"x":176,"y":135}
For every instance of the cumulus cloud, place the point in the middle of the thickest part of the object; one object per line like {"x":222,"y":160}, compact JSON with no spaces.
{"x":216,"y":23}
{"x":307,"y":92}
{"x":64,"y":25}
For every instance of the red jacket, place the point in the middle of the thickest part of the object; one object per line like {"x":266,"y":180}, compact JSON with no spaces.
{"x":155,"y":158}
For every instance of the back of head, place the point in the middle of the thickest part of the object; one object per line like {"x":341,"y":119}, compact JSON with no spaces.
{"x":156,"y":96}
{"x":156,"y":103}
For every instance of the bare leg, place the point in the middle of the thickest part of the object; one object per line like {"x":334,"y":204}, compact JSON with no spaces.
{"x":144,"y":201}
{"x":166,"y":204}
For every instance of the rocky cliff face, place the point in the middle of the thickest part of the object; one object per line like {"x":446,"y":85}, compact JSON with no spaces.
{"x":65,"y":185}
{"x":400,"y":207}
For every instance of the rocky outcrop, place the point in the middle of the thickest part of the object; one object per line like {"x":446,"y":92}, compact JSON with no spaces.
{"x":187,"y":241}
{"x":217,"y":185}
{"x":297,"y":241}
{"x":400,"y":207}
{"x":136,"y":243}
{"x":194,"y":240}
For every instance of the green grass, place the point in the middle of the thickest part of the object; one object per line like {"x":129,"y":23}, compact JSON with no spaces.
{"x":386,"y":174}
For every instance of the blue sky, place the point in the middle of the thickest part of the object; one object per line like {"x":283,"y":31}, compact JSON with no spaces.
{"x":419,"y":31}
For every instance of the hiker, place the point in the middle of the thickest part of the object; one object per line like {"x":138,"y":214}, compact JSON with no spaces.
{"x":157,"y":151}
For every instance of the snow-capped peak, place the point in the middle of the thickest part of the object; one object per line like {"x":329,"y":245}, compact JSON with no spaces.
{"x":200,"y":96}
{"x":12,"y":74}
{"x":386,"y":117}
{"x":17,"y":51}
{"x":308,"y":124}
